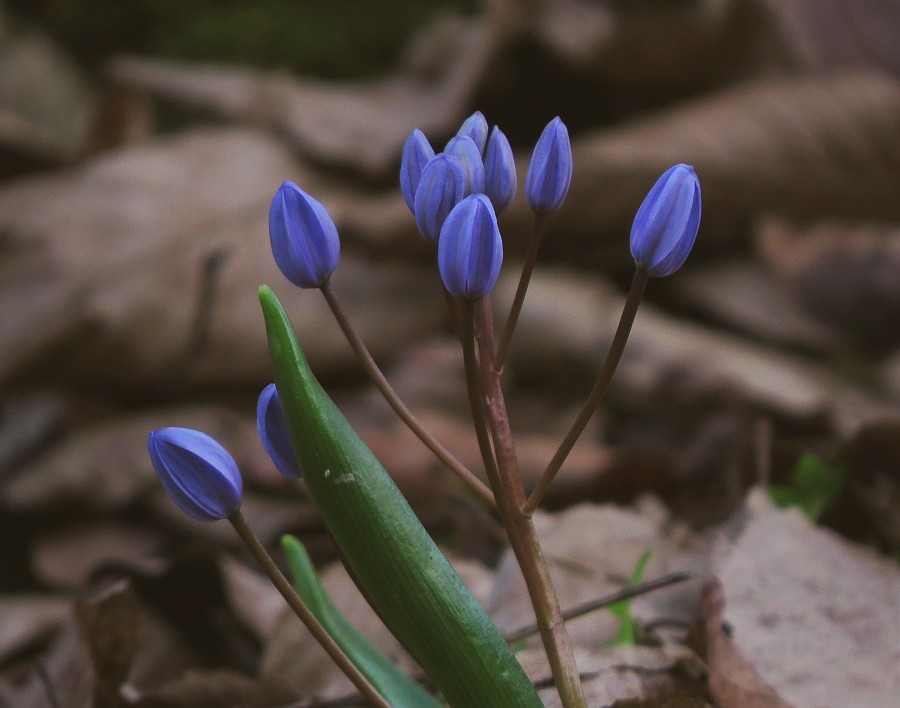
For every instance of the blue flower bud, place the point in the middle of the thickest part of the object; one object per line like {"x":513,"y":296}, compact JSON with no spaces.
{"x":499,"y":171}
{"x":476,"y":127}
{"x":550,"y":171}
{"x":273,"y":433}
{"x":197,"y":472}
{"x":466,"y":151}
{"x":304,"y":239}
{"x":666,"y":223}
{"x":442,"y":185}
{"x":416,"y":153}
{"x":470,"y":250}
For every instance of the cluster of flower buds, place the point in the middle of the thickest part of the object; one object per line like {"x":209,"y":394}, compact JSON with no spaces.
{"x":455,"y":195}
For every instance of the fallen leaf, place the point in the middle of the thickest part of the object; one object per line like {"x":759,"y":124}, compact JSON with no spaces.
{"x":817,"y":616}
{"x":733,"y":682}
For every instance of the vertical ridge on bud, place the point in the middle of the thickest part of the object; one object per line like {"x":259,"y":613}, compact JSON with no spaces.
{"x":470,"y":250}
{"x":666,"y":224}
{"x":475,"y":127}
{"x":304,"y":239}
{"x":441,"y":187}
{"x":500,"y":180}
{"x":197,"y":473}
{"x":417,"y":151}
{"x":466,"y":151}
{"x":550,"y":171}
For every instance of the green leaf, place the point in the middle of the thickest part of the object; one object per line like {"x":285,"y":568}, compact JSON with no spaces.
{"x":404,"y":575}
{"x":622,"y":609}
{"x":396,"y":687}
{"x":813,"y":487}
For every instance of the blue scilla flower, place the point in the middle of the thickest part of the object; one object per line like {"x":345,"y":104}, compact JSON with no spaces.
{"x":470,"y":250}
{"x":666,"y":223}
{"x":304,"y":239}
{"x":466,"y":151}
{"x":550,"y":172}
{"x":499,"y":171}
{"x":475,"y":127}
{"x":197,"y":472}
{"x":416,"y":153}
{"x":273,"y":432}
{"x":441,"y":187}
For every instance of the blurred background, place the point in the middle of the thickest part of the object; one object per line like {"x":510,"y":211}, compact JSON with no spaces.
{"x":140,"y":146}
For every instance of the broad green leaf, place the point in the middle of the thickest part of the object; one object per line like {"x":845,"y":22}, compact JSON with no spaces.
{"x":403,"y":573}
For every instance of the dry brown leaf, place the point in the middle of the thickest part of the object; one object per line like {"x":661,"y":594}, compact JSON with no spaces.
{"x":46,"y":102}
{"x":112,"y":625}
{"x":744,"y":295}
{"x":60,"y":677}
{"x":362,"y":126}
{"x":569,"y":320}
{"x":869,"y":507}
{"x":106,"y":466}
{"x":216,"y":689}
{"x":72,"y":557}
{"x":804,"y":146}
{"x":162,"y":222}
{"x":733,"y":682}
{"x":817,"y":616}
{"x":28,"y":620}
{"x":823,"y":34}
{"x":837,"y":271}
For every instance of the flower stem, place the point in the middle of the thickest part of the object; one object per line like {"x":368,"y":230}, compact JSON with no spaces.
{"x":510,"y":494}
{"x":304,"y":613}
{"x":530,"y":259}
{"x":378,"y":378}
{"x":638,"y":284}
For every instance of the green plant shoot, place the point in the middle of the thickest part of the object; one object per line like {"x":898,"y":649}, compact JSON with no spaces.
{"x":813,"y":487}
{"x":401,"y":571}
{"x":398,"y":688}
{"x":622,"y":609}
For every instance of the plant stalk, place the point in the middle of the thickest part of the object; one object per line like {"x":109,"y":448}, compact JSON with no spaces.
{"x":381,"y":382}
{"x":303,"y":612}
{"x":524,"y":279}
{"x":626,"y":320}
{"x":510,"y":494}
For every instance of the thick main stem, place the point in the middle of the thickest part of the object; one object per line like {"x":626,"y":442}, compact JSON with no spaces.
{"x":638,"y":284}
{"x":378,"y":378}
{"x":304,"y":613}
{"x":510,"y":494}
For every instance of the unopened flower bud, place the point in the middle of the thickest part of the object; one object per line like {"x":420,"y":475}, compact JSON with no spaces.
{"x":476,"y":127}
{"x":442,"y":185}
{"x":304,"y":239}
{"x":197,"y":473}
{"x":416,"y":153}
{"x":499,"y":171}
{"x":666,"y":223}
{"x":550,"y":171}
{"x":274,"y":434}
{"x":466,"y":151}
{"x":470,"y":250}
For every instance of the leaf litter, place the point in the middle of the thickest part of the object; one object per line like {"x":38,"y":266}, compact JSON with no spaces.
{"x":783,"y":322}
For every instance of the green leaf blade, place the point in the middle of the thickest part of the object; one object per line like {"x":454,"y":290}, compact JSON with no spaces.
{"x":411,"y":584}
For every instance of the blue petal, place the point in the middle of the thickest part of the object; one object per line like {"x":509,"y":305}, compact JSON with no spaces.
{"x":500,"y":180}
{"x":416,"y":153}
{"x":550,"y":171}
{"x":197,"y":472}
{"x":304,"y":239}
{"x":274,"y":434}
